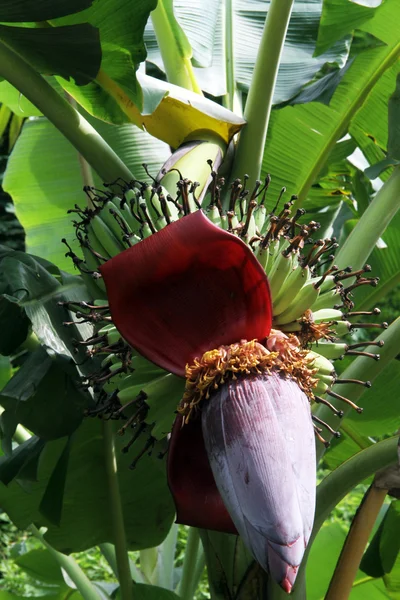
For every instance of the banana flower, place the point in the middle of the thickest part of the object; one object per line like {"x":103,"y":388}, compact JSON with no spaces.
{"x":194,"y":300}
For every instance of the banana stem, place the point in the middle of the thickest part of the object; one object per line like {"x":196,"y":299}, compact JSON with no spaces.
{"x":108,"y":551}
{"x":371,"y":226}
{"x":178,"y":66}
{"x":86,"y":171}
{"x":197,"y":572}
{"x":167,"y":553}
{"x":148,"y":563}
{"x":356,"y":541}
{"x":257,"y":111}
{"x":67,"y":120}
{"x":228,"y":99}
{"x":71,"y":567}
{"x":185,"y":590}
{"x":121,"y":550}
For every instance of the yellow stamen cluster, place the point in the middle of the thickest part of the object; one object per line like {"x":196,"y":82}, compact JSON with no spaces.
{"x":215,"y":367}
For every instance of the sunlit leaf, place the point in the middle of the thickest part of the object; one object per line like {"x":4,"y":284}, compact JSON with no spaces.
{"x":204,"y":25}
{"x":339,"y":19}
{"x":302,"y":137}
{"x":53,"y":177}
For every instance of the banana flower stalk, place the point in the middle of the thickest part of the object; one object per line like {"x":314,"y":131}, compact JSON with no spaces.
{"x":194,"y":300}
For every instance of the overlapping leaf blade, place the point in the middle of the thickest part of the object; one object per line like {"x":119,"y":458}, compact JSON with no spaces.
{"x":54,"y":180}
{"x":86,"y":517}
{"x":316,"y":127}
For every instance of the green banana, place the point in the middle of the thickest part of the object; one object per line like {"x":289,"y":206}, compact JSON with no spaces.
{"x":326,"y":300}
{"x":125,"y":211}
{"x":262,"y":255}
{"x":92,"y":263}
{"x":327,"y":284}
{"x":282,"y":268}
{"x":296,"y":279}
{"x":107,"y":214}
{"x":303,"y":300}
{"x":260,"y":218}
{"x":94,"y":243}
{"x":321,"y":363}
{"x":330,"y":350}
{"x":96,"y":287}
{"x":327,"y":314}
{"x":105,"y":236}
{"x":342,"y":328}
{"x":214,"y":216}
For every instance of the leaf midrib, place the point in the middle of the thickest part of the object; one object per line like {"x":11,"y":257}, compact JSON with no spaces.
{"x":343,"y":124}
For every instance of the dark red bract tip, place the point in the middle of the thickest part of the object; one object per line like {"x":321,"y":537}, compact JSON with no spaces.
{"x":189,"y":288}
{"x":286,"y":585}
{"x":197,"y":500}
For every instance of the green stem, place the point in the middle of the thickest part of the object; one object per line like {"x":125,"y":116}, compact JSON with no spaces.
{"x":228,"y":99}
{"x":355,"y":544}
{"x":198,"y":570}
{"x":148,"y":563}
{"x":167,"y":553}
{"x":372,"y":225}
{"x":67,"y":120}
{"x":70,"y":566}
{"x":349,"y":474}
{"x":121,"y":550}
{"x":178,"y":66}
{"x":108,"y":551}
{"x":192,"y":547}
{"x":257,"y":111}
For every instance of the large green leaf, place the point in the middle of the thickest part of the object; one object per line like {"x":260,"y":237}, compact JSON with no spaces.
{"x":25,"y":454}
{"x":26,"y":10}
{"x":41,"y":565}
{"x":345,"y":447}
{"x":381,"y":405}
{"x":5,"y":371}
{"x":86,"y":518}
{"x":37,"y":292}
{"x":301,"y":137}
{"x":321,"y":563}
{"x":204,"y":24}
{"x":52,"y":182}
{"x":45,"y":396}
{"x":68,"y":51}
{"x":370,"y":127}
{"x":380,"y":557}
{"x":338,"y":19}
{"x":11,"y":97}
{"x":121,"y":26}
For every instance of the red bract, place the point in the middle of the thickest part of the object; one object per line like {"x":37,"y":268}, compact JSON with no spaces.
{"x":198,"y":502}
{"x":187,"y":289}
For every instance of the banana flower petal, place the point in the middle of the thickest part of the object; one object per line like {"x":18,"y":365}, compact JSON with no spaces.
{"x":260,"y":443}
{"x":187,"y":289}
